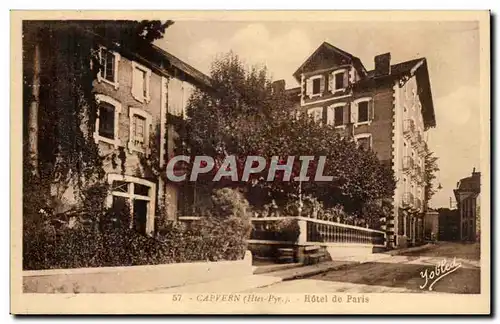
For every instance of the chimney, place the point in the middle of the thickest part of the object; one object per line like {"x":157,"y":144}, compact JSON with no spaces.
{"x":383,"y":64}
{"x":475,"y":173}
{"x":278,"y":86}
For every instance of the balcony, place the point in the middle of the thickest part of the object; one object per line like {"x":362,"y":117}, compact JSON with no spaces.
{"x":423,"y":178}
{"x":420,"y":172}
{"x":408,"y":163}
{"x":416,"y":172}
{"x":417,"y":141}
{"x":408,"y":127}
{"x":407,"y":200}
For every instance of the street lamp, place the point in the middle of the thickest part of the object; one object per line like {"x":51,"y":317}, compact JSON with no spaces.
{"x":299,"y":209}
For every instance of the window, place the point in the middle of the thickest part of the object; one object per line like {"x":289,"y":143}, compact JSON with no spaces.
{"x":139,"y":195}
{"x":336,"y":114}
{"x":107,"y":120}
{"x":362,"y":111}
{"x":140,"y":123}
{"x":316,"y":113}
{"x":106,"y":126}
{"x":363,"y":141}
{"x":339,"y":116}
{"x":140,"y":82}
{"x":109,"y":67}
{"x":316,"y":86}
{"x":138,"y":130}
{"x":338,"y":80}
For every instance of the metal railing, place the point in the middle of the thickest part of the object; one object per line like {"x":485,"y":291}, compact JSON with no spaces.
{"x":315,"y":231}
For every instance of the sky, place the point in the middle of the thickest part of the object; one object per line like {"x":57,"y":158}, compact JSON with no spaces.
{"x":451,"y":49}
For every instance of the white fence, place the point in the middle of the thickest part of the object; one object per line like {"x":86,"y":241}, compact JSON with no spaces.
{"x":317,"y":232}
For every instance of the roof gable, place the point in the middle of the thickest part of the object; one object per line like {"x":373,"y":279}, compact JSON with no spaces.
{"x":327,"y":56}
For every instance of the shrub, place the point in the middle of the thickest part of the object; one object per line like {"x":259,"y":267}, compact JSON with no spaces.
{"x":221,"y":236}
{"x":286,"y":229}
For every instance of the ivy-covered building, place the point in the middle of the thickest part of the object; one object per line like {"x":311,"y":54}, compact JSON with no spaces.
{"x":138,"y":85}
{"x":387,"y":109}
{"x":135,"y":95}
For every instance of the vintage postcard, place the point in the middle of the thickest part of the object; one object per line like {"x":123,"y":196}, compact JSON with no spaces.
{"x":250,"y":162}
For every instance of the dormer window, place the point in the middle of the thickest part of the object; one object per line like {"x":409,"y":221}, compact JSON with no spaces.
{"x":338,"y":80}
{"x":315,"y":86}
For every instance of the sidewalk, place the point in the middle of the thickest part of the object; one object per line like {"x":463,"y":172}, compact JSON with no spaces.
{"x":412,"y":249}
{"x":240,"y":284}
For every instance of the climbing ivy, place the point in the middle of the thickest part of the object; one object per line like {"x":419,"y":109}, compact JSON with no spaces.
{"x":67,"y":154}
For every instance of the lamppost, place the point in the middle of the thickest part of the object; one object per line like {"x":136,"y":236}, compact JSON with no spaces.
{"x":299,"y":209}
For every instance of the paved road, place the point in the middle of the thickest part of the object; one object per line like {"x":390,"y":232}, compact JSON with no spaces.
{"x":400,"y":273}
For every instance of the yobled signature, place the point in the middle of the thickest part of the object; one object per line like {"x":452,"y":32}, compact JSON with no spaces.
{"x":442,"y":269}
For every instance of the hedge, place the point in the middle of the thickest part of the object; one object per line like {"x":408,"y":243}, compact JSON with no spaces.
{"x":221,"y":236}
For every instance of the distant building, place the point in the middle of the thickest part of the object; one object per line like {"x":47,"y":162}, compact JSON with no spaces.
{"x":449,"y":225}
{"x":467,"y":196}
{"x":387,"y":109}
{"x":431,"y":225}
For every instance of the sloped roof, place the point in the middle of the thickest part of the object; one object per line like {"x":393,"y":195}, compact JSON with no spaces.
{"x":469,"y":183}
{"x":399,"y":68}
{"x":417,"y":67}
{"x":183,"y":66}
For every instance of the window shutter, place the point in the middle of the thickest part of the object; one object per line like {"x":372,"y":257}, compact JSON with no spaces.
{"x":330,"y":116}
{"x":331,"y":82}
{"x":371,"y":110}
{"x":346,"y":79}
{"x":308,"y":88}
{"x":322,"y":85}
{"x":354,"y":113}
{"x":346,"y":114}
{"x":137,"y":83}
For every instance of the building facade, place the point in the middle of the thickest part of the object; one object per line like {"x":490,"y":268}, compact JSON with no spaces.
{"x":387,"y":109}
{"x":135,"y":95}
{"x":468,"y":197}
{"x":136,"y":89}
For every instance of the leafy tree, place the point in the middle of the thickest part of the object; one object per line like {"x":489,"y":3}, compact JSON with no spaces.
{"x":247,"y":118}
{"x":431,"y":167}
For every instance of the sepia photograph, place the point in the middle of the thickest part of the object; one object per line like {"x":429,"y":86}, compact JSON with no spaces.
{"x":242,"y":162}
